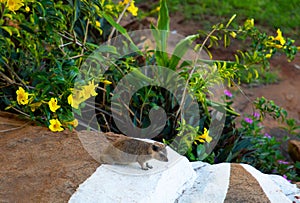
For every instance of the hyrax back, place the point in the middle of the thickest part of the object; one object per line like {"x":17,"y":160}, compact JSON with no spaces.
{"x":129,"y":150}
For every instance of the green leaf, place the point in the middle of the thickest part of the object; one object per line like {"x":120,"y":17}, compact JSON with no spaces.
{"x":7,"y":29}
{"x":107,"y":49}
{"x":161,"y":33}
{"x":297,"y":165}
{"x":230,"y":21}
{"x":120,"y":29}
{"x":180,"y":49}
{"x":163,"y":22}
{"x":76,"y":7}
{"x":138,"y":74}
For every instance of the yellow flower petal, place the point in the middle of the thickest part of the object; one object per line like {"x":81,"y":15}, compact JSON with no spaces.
{"x":53,"y":104}
{"x":133,"y":9}
{"x":106,"y":82}
{"x":73,"y":123}
{"x":109,"y":7}
{"x":279,"y":37}
{"x":89,"y":90}
{"x":70,"y":100}
{"x":268,"y":56}
{"x":204,"y":137}
{"x":124,"y":2}
{"x":208,"y":139}
{"x":34,"y":106}
{"x":249,"y":24}
{"x":55,"y":125}
{"x":233,"y":34}
{"x":76,"y":98}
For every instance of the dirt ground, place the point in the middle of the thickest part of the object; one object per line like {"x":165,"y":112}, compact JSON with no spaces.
{"x":40,"y":166}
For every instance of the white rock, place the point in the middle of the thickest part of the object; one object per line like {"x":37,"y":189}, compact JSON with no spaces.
{"x":271,"y":189}
{"x":129,"y":184}
{"x":290,"y":190}
{"x":213,"y":181}
{"x":210,"y":186}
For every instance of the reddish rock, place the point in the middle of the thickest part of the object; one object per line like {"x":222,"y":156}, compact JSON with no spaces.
{"x":294,"y":150}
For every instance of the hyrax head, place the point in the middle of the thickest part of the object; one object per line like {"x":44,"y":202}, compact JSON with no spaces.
{"x":159,"y":152}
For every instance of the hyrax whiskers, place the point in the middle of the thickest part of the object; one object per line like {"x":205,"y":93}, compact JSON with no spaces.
{"x":128,"y":150}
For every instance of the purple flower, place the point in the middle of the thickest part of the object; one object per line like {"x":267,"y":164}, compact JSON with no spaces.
{"x":285,"y":177}
{"x":267,"y":135}
{"x":248,"y":120}
{"x":256,"y":115}
{"x":228,"y":93}
{"x":283,"y":162}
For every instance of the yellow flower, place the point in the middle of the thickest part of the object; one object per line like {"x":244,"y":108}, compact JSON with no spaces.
{"x":73,"y":123}
{"x":70,"y":100}
{"x":279,"y":37}
{"x":98,"y":24}
{"x":53,"y":104}
{"x":106,"y":82}
{"x":14,"y":5}
{"x":268,"y":56}
{"x":89,"y":90}
{"x":27,"y":9}
{"x":34,"y":106}
{"x":22,"y":96}
{"x":204,"y":137}
{"x":55,"y":125}
{"x":109,"y":7}
{"x":233,"y":34}
{"x":249,"y":23}
{"x":132,"y":8}
{"x":76,"y":98}
{"x":124,"y":2}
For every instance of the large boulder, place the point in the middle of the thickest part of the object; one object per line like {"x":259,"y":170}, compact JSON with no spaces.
{"x":294,"y":150}
{"x":227,"y":182}
{"x":128,"y":183}
{"x":182,"y":181}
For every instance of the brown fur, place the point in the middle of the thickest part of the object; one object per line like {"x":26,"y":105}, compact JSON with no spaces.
{"x":128,"y":150}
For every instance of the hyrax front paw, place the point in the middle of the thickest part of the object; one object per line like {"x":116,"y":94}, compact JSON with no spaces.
{"x":148,"y":166}
{"x":145,"y":166}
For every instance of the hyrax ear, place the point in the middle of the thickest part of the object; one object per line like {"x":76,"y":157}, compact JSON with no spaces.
{"x":155,"y":147}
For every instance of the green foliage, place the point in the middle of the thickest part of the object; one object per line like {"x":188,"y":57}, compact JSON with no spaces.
{"x":264,"y":151}
{"x":42,"y":45}
{"x":273,"y":14}
{"x":254,"y":61}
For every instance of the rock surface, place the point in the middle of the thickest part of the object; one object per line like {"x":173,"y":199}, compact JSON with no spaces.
{"x":227,"y":182}
{"x":294,"y":150}
{"x":128,"y":183}
{"x":185,"y":182}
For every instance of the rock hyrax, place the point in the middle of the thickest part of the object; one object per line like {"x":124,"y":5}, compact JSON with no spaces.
{"x":129,"y":150}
